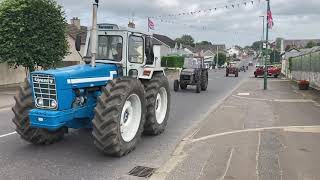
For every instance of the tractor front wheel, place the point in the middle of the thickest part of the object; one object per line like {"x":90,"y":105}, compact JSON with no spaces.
{"x":21,"y":119}
{"x":157,"y":104}
{"x":119,"y":116}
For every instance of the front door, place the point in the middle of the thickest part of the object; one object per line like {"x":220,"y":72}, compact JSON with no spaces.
{"x":136,"y":55}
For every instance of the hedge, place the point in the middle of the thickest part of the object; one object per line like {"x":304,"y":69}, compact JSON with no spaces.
{"x":172,"y":61}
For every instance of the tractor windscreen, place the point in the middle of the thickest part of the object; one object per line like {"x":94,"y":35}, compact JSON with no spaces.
{"x":109,"y":48}
{"x":191,"y":63}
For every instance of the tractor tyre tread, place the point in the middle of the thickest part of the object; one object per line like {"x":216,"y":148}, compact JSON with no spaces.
{"x":106,"y":122}
{"x":21,"y":119}
{"x":152,"y":127}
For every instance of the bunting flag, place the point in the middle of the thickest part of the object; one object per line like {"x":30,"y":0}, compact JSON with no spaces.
{"x":150,"y":24}
{"x":270,"y":18}
{"x":225,"y":6}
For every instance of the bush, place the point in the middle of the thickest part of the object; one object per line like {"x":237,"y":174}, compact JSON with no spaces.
{"x":172,"y":61}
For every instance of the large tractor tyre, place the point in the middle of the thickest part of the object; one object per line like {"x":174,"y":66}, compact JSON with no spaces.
{"x":183,"y":86}
{"x":157,"y":104}
{"x":176,"y":85}
{"x":227,"y":73}
{"x":119,"y":116}
{"x":236,"y":74}
{"x":21,"y":119}
{"x":198,"y":87}
{"x":204,"y":81}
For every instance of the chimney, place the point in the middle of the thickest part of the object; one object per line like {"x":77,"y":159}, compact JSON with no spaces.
{"x":76,"y":21}
{"x":131,"y":25}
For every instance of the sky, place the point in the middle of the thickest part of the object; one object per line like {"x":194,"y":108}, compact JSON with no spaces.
{"x":293,"y":19}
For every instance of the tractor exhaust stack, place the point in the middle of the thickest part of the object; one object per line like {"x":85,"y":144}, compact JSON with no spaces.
{"x":94,"y":33}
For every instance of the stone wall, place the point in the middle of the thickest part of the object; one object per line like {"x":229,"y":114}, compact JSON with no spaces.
{"x":11,"y":76}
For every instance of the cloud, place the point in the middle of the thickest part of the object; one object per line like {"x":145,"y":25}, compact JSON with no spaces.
{"x":293,"y":18}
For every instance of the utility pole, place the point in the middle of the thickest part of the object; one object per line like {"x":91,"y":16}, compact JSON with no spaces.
{"x":217,"y":62}
{"x":267,"y":51}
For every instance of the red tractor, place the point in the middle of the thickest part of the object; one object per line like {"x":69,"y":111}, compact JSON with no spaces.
{"x":232,"y":69}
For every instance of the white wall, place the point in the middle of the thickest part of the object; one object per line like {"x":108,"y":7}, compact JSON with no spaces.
{"x":11,"y":75}
{"x":74,"y":55}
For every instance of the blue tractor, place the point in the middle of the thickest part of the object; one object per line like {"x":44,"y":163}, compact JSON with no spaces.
{"x":120,"y":92}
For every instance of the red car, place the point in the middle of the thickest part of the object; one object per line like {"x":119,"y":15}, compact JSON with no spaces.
{"x":272,"y":71}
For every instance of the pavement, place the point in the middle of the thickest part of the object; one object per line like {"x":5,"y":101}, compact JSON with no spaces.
{"x":253,"y":135}
{"x":76,"y":156}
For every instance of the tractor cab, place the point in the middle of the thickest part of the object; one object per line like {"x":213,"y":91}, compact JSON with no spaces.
{"x":134,"y":52}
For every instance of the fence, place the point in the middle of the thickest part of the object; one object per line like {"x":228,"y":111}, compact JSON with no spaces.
{"x":306,"y":66}
{"x":308,"y":62}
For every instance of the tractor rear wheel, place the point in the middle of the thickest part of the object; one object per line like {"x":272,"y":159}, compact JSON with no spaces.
{"x":21,"y":119}
{"x":198,"y":87}
{"x":204,"y":81}
{"x":119,"y":116}
{"x":157,"y":104}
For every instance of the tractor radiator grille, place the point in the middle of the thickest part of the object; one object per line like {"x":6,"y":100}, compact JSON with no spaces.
{"x":44,"y":89}
{"x":185,"y":77}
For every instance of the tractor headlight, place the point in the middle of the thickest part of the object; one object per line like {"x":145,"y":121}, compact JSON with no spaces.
{"x":53,"y":104}
{"x":39,"y":102}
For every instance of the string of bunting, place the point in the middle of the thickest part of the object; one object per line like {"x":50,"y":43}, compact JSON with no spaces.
{"x":228,"y":6}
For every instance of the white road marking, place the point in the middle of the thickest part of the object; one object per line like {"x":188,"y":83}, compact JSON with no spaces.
{"x":244,"y":94}
{"x":5,"y":109}
{"x":257,"y":156}
{"x":280,"y":100}
{"x":227,"y":166}
{"x":9,"y":134}
{"x":285,"y":128}
{"x":281,"y":172}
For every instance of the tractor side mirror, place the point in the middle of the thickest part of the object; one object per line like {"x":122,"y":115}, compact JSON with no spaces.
{"x":78,"y":43}
{"x":149,"y":50}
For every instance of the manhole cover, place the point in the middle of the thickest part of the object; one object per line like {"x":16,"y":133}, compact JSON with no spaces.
{"x":141,"y":171}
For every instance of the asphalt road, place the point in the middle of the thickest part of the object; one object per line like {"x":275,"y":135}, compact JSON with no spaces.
{"x":76,"y":157}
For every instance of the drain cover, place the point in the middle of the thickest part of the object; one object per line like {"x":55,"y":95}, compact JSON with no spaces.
{"x":141,"y":171}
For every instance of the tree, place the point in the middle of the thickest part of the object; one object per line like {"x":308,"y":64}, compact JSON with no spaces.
{"x":275,"y":56}
{"x":32,"y":33}
{"x":204,"y":43}
{"x":256,"y":45}
{"x":222,"y":59}
{"x":186,"y":40}
{"x":311,"y":44}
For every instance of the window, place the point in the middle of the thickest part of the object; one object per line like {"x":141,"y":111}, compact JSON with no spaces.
{"x":109,"y":48}
{"x":136,"y":51}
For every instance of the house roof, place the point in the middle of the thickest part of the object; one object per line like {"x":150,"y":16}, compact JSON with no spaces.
{"x":73,"y":31}
{"x":165,"y":39}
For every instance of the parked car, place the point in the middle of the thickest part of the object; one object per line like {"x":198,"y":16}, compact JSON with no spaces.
{"x":232,"y":69}
{"x":272,"y":71}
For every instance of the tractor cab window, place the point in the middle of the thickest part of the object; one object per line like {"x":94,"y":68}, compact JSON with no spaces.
{"x":109,"y":48}
{"x":136,"y":50}
{"x":191,"y":63}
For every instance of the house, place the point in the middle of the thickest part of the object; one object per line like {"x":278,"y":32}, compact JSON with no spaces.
{"x":74,"y":29}
{"x":167,"y":44}
{"x":233,"y":50}
{"x":296,"y":43}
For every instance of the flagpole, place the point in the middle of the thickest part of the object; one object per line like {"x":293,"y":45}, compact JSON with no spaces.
{"x":267,"y":51}
{"x":148,"y":24}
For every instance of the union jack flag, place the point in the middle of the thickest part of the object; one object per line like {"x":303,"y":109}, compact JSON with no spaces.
{"x":270,"y":18}
{"x":150,"y":24}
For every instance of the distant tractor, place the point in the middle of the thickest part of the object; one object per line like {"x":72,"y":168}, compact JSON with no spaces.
{"x":232,"y":69}
{"x":193,"y":73}
{"x":122,"y":94}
